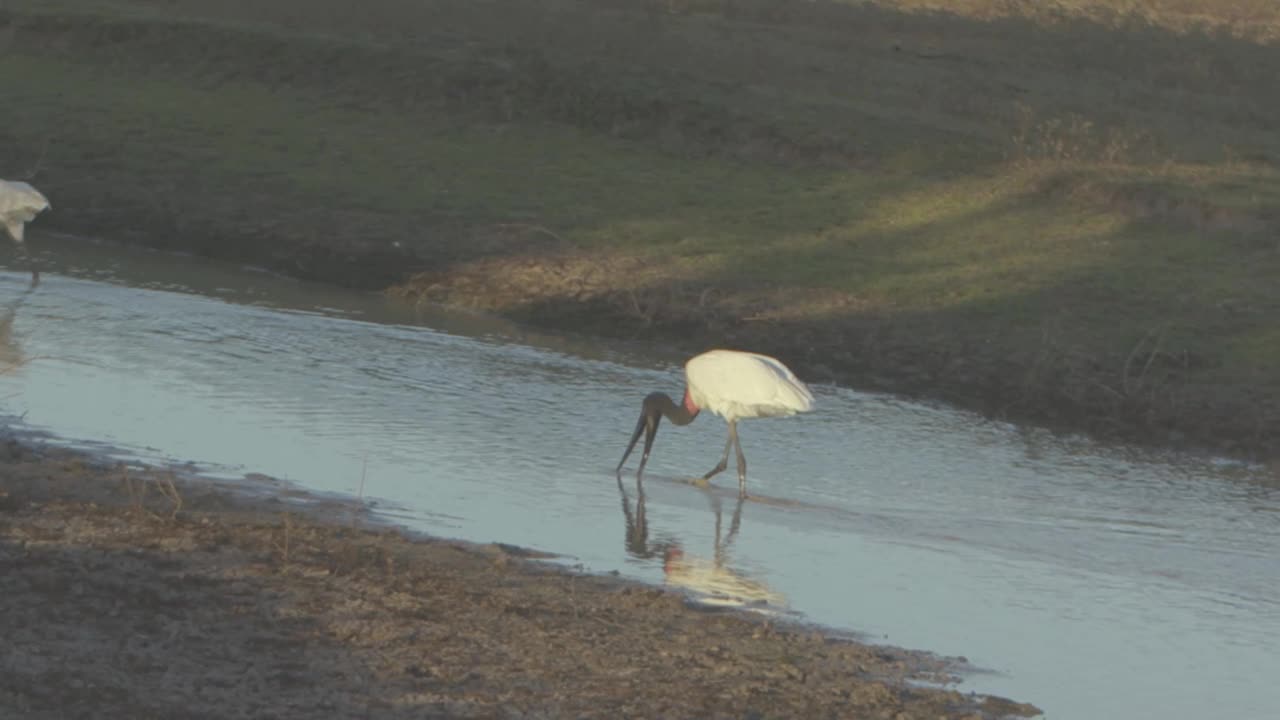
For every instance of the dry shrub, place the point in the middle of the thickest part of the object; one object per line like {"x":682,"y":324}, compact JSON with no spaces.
{"x":1073,"y":138}
{"x":137,"y":487}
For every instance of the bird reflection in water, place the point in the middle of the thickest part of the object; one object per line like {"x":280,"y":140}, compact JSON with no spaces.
{"x":710,"y":581}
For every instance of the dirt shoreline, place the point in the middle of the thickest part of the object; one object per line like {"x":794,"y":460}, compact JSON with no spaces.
{"x":120,"y":603}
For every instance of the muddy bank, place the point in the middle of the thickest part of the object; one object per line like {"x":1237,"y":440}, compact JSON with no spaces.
{"x":125,"y":598}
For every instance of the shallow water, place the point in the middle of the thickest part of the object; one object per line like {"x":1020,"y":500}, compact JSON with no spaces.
{"x":1094,"y":581}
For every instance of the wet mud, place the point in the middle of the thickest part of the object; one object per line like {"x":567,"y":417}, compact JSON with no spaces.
{"x":134,"y":592}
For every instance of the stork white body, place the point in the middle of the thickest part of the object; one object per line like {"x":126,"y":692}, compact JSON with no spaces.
{"x":732,"y":384}
{"x":19,"y":204}
{"x":736,"y":385}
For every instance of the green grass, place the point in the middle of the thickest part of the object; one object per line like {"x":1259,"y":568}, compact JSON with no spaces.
{"x":1053,"y":191}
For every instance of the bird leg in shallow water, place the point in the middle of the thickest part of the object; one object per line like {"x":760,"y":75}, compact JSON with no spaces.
{"x":724,"y":461}
{"x":734,"y":443}
{"x":31,"y":263}
{"x":742,"y":460}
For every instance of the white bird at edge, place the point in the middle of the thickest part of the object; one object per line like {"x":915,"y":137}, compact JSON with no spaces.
{"x":732,"y":384}
{"x":20,"y":204}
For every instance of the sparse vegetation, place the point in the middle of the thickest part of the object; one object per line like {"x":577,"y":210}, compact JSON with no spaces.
{"x":1065,"y":211}
{"x":136,"y":486}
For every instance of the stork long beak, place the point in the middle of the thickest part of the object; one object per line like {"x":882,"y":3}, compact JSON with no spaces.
{"x":648,"y":424}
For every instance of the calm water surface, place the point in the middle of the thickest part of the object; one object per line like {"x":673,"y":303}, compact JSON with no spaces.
{"x":1094,"y":581}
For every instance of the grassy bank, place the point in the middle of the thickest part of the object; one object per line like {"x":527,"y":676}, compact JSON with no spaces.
{"x":1066,"y":214}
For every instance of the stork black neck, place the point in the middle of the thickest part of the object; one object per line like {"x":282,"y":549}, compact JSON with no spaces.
{"x":656,"y":404}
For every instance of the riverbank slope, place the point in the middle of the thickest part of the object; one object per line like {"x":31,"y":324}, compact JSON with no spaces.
{"x":1059,"y":214}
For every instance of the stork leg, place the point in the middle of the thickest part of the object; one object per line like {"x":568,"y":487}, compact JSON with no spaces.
{"x":724,"y":461}
{"x":31,"y":263}
{"x":736,"y":445}
{"x":742,"y":461}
